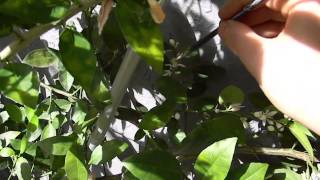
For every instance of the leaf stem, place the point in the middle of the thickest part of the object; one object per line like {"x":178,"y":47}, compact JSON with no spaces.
{"x":58,"y":91}
{"x":35,"y":32}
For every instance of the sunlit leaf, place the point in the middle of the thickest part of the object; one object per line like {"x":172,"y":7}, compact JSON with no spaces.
{"x":33,"y":123}
{"x":20,"y":83}
{"x":107,"y":151}
{"x":48,"y":132}
{"x":142,"y":33}
{"x":23,"y":169}
{"x":74,"y":164}
{"x":58,"y":145}
{"x":8,"y":136}
{"x":214,"y":162}
{"x":23,"y":144}
{"x":286,"y":174}
{"x":6,"y":152}
{"x":41,"y":58}
{"x":155,"y":165}
{"x":65,"y":78}
{"x":63,"y":104}
{"x":252,"y":171}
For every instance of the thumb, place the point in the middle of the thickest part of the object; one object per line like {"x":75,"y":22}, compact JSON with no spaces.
{"x":245,"y":43}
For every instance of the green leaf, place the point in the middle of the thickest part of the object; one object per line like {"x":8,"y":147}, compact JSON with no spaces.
{"x":23,"y":169}
{"x":33,"y":119}
{"x":158,"y":117}
{"x":107,"y":151}
{"x":252,"y":171}
{"x":79,"y":59}
{"x":139,"y":135}
{"x":23,"y":144}
{"x":231,"y":95}
{"x":301,"y":133}
{"x":214,"y":162}
{"x":15,"y":113}
{"x":63,"y":104}
{"x":65,"y":78}
{"x":155,"y":165}
{"x":7,"y":152}
{"x":172,"y":90}
{"x":142,"y":33}
{"x":225,"y":126}
{"x":287,"y":173}
{"x":80,"y":112}
{"x":20,"y":83}
{"x":74,"y":164}
{"x":8,"y":136}
{"x":41,"y":58}
{"x":48,"y":132}
{"x":58,"y":145}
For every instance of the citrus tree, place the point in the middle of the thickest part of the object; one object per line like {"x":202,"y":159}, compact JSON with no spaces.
{"x":57,"y":128}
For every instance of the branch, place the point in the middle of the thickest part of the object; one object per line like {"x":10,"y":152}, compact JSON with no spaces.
{"x":58,"y":91}
{"x":37,"y":31}
{"x":284,"y":152}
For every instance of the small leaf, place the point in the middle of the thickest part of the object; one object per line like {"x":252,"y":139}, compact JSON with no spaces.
{"x":252,"y":171}
{"x":8,"y":136}
{"x":7,"y":152}
{"x":289,"y":175}
{"x":214,"y":162}
{"x":300,"y":132}
{"x":155,"y":165}
{"x":63,"y":104}
{"x":107,"y":151}
{"x":58,"y":145}
{"x":33,"y":123}
{"x":41,"y":58}
{"x":20,"y":83}
{"x":23,"y":144}
{"x":48,"y":132}
{"x":23,"y":169}
{"x":65,"y":78}
{"x":231,"y":95}
{"x":141,"y":32}
{"x":139,"y":135}
{"x":15,"y":113}
{"x":105,"y":10}
{"x":74,"y":164}
{"x":158,"y":116}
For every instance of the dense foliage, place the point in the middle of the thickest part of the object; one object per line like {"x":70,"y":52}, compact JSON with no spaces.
{"x":47,"y":127}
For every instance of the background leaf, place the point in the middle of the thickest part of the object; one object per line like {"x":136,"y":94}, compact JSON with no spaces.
{"x":7,"y":152}
{"x":231,"y":95}
{"x":214,"y":162}
{"x":41,"y":58}
{"x":15,"y":113}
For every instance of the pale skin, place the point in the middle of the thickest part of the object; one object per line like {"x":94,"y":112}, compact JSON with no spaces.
{"x":279,"y":44}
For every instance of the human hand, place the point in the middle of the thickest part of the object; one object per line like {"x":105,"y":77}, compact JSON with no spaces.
{"x":279,"y":44}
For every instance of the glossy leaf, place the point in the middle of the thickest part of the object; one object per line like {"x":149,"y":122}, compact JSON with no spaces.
{"x":252,"y":171}
{"x":158,"y":116}
{"x":155,"y":165}
{"x":301,"y":133}
{"x":41,"y":58}
{"x":79,"y":59}
{"x":107,"y":151}
{"x":23,"y":169}
{"x":6,"y":152}
{"x":231,"y":95}
{"x":48,"y":132}
{"x":20,"y":83}
{"x":214,"y":162}
{"x":142,"y":33}
{"x":58,"y":145}
{"x":15,"y":113}
{"x":74,"y":164}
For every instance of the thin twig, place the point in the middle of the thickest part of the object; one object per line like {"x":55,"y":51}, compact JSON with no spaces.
{"x":35,"y":32}
{"x":284,"y":152}
{"x":58,"y":91}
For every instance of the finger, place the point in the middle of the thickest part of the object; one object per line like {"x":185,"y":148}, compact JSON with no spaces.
{"x":231,"y":7}
{"x":284,"y":6}
{"x":261,"y":15}
{"x":270,"y":29}
{"x":245,"y":43}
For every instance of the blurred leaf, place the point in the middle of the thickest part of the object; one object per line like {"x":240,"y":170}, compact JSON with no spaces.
{"x":158,"y":117}
{"x":214,"y":162}
{"x":7,"y":152}
{"x":63,"y":104}
{"x":58,"y":145}
{"x":301,"y":133}
{"x":252,"y":171}
{"x":20,"y":83}
{"x":33,"y":11}
{"x":48,"y":132}
{"x":107,"y":151}
{"x":142,"y":33}
{"x":231,"y":95}
{"x":15,"y":113}
{"x":286,"y":174}
{"x":23,"y":144}
{"x":222,"y":127}
{"x":155,"y":165}
{"x":172,"y":90}
{"x":259,"y":100}
{"x":9,"y":135}
{"x":112,"y":35}
{"x":41,"y":58}
{"x":23,"y":169}
{"x":79,"y":59}
{"x":74,"y":164}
